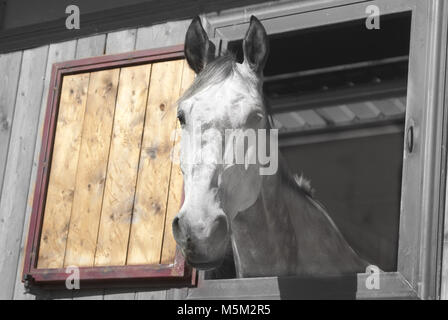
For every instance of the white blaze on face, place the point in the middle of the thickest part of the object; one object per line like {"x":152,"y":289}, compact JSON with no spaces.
{"x":219,"y":145}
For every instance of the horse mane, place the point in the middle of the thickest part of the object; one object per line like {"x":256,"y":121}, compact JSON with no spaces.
{"x":214,"y":72}
{"x":297,"y":182}
{"x":304,"y":184}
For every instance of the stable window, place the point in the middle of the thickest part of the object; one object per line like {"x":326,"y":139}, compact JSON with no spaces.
{"x":361,"y":114}
{"x":107,"y":189}
{"x":340,"y":109}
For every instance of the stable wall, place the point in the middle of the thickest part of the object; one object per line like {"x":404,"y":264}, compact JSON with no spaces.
{"x":24,"y":86}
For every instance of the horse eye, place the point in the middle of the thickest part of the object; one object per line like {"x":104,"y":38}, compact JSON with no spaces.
{"x":181,"y":118}
{"x":259,"y":116}
{"x":256,"y":117}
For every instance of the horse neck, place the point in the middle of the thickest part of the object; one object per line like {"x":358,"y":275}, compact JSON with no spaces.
{"x":263,"y":239}
{"x":286,"y":232}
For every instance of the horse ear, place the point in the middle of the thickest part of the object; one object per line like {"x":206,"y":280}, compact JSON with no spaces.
{"x":256,"y":45}
{"x":199,"y":50}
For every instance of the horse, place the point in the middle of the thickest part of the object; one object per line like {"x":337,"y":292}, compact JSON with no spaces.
{"x":270,"y":223}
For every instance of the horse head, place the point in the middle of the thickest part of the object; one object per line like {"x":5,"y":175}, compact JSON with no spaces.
{"x":220,"y":115}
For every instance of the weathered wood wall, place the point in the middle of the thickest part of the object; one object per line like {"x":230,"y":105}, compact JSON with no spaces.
{"x":24,"y":85}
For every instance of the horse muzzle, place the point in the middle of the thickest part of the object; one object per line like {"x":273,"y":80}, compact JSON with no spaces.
{"x":203,"y":245}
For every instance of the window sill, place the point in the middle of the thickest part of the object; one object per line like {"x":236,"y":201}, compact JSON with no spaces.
{"x":392,"y":286}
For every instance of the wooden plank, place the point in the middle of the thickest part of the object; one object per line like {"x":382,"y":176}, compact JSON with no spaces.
{"x":311,"y":118}
{"x":124,"y":156}
{"x":162,"y":35}
{"x":236,"y":289}
{"x":364,"y":110}
{"x":177,"y":294}
{"x":91,"y":46}
{"x":9,"y":81}
{"x":231,"y":25}
{"x":150,"y":295}
{"x":86,"y":48}
{"x":88,"y":294}
{"x":387,"y":107}
{"x":92,"y":167}
{"x":336,"y":114}
{"x":354,"y":133}
{"x":119,"y":294}
{"x":176,"y":183}
{"x":19,"y":164}
{"x":57,"y":52}
{"x":55,"y":294}
{"x":289,"y":120}
{"x":444,"y":280}
{"x":392,"y":285}
{"x":64,"y":163}
{"x":155,"y":165}
{"x":444,"y":258}
{"x":413,"y":192}
{"x":120,"y":41}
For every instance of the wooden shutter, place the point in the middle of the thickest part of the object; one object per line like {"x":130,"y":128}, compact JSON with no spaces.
{"x":112,"y":189}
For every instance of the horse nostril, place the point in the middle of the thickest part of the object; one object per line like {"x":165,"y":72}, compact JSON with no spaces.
{"x":180,"y":230}
{"x":175,"y":222}
{"x":177,"y":232}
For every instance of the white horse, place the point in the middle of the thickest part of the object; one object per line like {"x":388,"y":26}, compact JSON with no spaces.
{"x":271,"y":222}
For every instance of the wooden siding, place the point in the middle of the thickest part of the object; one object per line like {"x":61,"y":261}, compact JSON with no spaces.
{"x":24,"y":85}
{"x":19,"y":161}
{"x":56,"y":53}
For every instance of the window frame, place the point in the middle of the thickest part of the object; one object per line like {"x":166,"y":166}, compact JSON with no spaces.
{"x":166,"y":275}
{"x":424,"y":180}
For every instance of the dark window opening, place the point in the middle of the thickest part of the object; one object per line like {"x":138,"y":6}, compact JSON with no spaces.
{"x":337,"y":94}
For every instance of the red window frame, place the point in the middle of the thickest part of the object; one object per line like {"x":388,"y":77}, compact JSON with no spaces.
{"x":166,"y":275}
